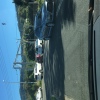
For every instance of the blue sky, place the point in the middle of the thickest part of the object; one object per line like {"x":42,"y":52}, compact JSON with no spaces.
{"x":8,"y":49}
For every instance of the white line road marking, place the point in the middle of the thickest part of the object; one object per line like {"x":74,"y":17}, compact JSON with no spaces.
{"x":59,"y":6}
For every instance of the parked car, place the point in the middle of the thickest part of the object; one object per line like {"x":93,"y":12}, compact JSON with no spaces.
{"x":44,"y":21}
{"x":39,"y":58}
{"x":38,"y":71}
{"x":39,"y":50}
{"x":39,"y":94}
{"x":96,"y":60}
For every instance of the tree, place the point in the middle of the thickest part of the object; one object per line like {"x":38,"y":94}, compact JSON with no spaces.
{"x":20,"y":3}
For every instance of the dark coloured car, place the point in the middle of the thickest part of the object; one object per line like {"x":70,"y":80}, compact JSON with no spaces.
{"x":43,"y":22}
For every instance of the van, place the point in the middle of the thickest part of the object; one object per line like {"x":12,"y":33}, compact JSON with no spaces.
{"x":38,"y":71}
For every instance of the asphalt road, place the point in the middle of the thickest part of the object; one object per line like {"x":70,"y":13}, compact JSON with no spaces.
{"x":66,"y":53}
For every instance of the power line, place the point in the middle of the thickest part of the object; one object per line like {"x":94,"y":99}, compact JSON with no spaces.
{"x":6,"y":46}
{"x":5,"y":75}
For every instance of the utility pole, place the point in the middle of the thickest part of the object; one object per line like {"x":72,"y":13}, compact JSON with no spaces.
{"x":22,"y":63}
{"x":18,"y":82}
{"x":17,"y":63}
{"x":27,"y":41}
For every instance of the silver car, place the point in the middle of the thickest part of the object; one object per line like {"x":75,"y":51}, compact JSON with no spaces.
{"x":44,"y":21}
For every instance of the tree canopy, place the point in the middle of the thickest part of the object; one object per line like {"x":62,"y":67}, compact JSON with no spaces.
{"x":25,"y":16}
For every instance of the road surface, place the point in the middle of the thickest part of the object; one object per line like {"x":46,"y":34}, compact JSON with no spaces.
{"x":66,"y":53}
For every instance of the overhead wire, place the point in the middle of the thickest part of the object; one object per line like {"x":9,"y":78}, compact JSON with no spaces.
{"x":5,"y":75}
{"x":7,"y":53}
{"x":3,"y":66}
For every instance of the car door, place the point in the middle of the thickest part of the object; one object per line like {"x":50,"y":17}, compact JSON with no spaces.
{"x":96,"y":58}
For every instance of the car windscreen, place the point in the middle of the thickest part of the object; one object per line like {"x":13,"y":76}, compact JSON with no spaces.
{"x":36,"y":42}
{"x":35,"y":69}
{"x":37,"y":22}
{"x":37,"y":32}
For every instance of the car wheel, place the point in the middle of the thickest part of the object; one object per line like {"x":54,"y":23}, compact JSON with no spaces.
{"x":40,"y":89}
{"x":50,"y":24}
{"x":41,"y":99}
{"x":41,"y":43}
{"x":42,"y":51}
{"x":41,"y":71}
{"x":45,"y":39}
{"x":42,"y":77}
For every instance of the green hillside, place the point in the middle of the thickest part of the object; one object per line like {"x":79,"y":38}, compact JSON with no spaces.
{"x":25,"y":12}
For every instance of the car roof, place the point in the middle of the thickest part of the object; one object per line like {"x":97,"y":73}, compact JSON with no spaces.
{"x":36,"y":43}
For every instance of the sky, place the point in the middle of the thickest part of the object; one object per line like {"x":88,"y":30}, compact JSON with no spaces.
{"x":9,"y":34}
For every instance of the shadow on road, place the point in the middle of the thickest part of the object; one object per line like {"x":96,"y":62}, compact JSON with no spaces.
{"x":68,"y":11}
{"x":54,"y":54}
{"x":54,"y":64}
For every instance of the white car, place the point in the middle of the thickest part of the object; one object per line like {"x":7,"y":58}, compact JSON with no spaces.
{"x":38,"y":71}
{"x":39,"y":46}
{"x":39,"y":94}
